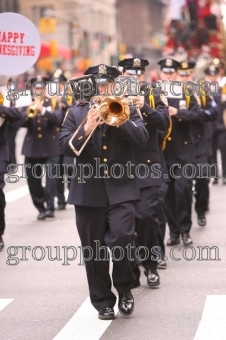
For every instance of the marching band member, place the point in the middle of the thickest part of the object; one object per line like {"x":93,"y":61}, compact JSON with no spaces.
{"x":7,"y":115}
{"x":40,"y":147}
{"x":105,"y":202}
{"x":179,"y":151}
{"x":64,"y":102}
{"x":154,"y":109}
{"x":200,"y":132}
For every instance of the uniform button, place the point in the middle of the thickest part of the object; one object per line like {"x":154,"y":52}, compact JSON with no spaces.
{"x":105,"y":147}
{"x":179,"y":120}
{"x":78,"y":178}
{"x":145,"y":123}
{"x":39,"y":135}
{"x":39,"y":128}
{"x":185,"y":143}
{"x":131,"y":176}
{"x":38,"y":121}
{"x":105,"y":160}
{"x":148,"y":161}
{"x":169,"y":138}
{"x":105,"y":172}
{"x":104,"y":135}
{"x":198,"y":136}
{"x":53,"y":137}
{"x":58,"y":129}
{"x":144,"y":114}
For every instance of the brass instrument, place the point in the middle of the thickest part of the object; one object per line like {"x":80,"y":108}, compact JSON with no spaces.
{"x":114,"y":111}
{"x":32,"y":110}
{"x":1,"y":99}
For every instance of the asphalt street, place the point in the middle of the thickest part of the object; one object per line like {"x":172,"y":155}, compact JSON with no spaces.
{"x":43,"y":299}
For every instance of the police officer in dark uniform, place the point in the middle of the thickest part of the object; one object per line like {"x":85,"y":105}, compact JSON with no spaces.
{"x":180,"y":151}
{"x":154,"y":110}
{"x":200,"y":133}
{"x":105,"y":202}
{"x":40,"y":147}
{"x":64,"y":101}
{"x":219,"y":126}
{"x":7,"y":114}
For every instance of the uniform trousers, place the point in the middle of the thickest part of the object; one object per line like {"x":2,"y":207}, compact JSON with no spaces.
{"x":219,"y":142}
{"x":60,"y":181}
{"x":179,"y":203}
{"x":162,"y":218}
{"x":113,"y":227}
{"x":2,"y":197}
{"x":147,"y":225}
{"x":39,"y":194}
{"x":201,"y":195}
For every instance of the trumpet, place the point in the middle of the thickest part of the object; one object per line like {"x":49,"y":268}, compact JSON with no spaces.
{"x":32,"y":110}
{"x":113,"y":111}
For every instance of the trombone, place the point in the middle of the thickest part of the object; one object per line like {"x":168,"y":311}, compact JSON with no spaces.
{"x":114,"y":111}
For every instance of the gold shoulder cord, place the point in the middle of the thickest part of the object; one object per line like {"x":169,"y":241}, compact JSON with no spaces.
{"x":203,"y":98}
{"x":151,"y":100}
{"x":167,"y":135}
{"x":53,"y":103}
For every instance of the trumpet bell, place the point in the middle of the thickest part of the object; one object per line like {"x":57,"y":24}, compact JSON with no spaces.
{"x":114,"y":111}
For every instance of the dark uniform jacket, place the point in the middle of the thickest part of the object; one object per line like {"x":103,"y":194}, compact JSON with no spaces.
{"x":155,"y":118}
{"x":180,"y":146}
{"x":9,"y":114}
{"x":110,"y":146}
{"x":200,"y":129}
{"x":41,"y":140}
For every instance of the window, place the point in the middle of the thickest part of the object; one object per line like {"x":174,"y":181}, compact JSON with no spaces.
{"x":8,"y":6}
{"x":39,"y":12}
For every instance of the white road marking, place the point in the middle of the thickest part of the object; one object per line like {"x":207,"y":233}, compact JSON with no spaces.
{"x":85,"y":324}
{"x":4,"y":303}
{"x":213,"y":323}
{"x":14,"y":195}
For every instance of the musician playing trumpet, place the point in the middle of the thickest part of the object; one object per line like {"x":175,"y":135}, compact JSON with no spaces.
{"x":40,"y":146}
{"x":154,"y":108}
{"x":104,"y":195}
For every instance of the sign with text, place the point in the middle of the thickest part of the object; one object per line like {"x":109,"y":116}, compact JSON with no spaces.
{"x":20,"y":44}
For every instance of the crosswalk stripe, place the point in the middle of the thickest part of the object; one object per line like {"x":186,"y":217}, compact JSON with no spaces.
{"x":4,"y":303}
{"x":84,"y":324}
{"x":213,"y":322}
{"x":14,"y":195}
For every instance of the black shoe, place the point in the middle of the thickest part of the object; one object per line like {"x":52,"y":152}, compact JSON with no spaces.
{"x":41,"y":216}
{"x":1,"y":243}
{"x":152,"y":277}
{"x":61,"y":207}
{"x":215,"y":181}
{"x":106,"y":313}
{"x":173,"y":241}
{"x":126,"y":303}
{"x":49,"y":213}
{"x":162,"y":264}
{"x":201,"y":219}
{"x":186,"y":239}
